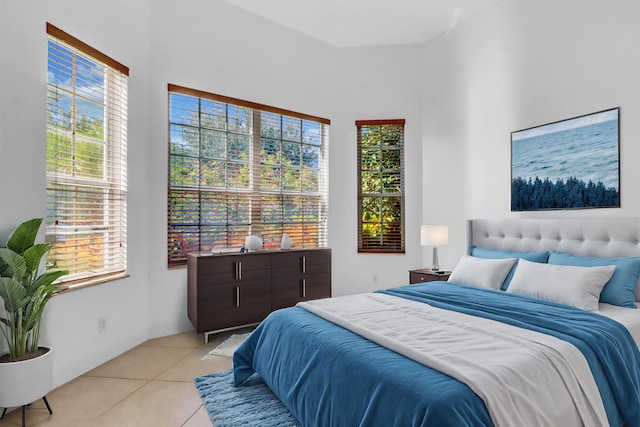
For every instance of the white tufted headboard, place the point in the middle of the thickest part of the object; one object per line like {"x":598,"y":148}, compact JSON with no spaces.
{"x":600,"y":237}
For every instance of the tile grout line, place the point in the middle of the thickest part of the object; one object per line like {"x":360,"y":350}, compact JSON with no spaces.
{"x":125,"y":397}
{"x":154,"y":379}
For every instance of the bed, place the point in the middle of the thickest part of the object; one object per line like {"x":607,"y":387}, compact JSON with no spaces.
{"x":513,"y":338}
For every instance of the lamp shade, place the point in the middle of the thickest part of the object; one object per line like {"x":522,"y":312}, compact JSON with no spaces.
{"x":434,"y":235}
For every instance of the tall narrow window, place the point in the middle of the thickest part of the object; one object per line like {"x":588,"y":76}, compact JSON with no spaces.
{"x":381,"y":185}
{"x":86,"y":160}
{"x":237,"y":168}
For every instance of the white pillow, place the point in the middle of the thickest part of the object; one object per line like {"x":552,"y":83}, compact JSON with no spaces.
{"x":481,"y":272}
{"x":565,"y":284}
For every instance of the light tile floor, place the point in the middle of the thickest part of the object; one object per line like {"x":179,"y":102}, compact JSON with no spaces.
{"x":149,"y":385}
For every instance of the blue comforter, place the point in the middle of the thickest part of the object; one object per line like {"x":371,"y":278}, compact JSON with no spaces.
{"x":328,"y":376}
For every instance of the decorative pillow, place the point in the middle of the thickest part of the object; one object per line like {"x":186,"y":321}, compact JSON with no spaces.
{"x":621,"y":289}
{"x":564,"y":284}
{"x":481,"y":252}
{"x":481,"y":272}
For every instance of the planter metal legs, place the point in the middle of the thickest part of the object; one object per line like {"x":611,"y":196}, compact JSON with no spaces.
{"x":24,"y":411}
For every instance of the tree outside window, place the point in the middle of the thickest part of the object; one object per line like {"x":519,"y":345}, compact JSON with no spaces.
{"x":237,"y":168}
{"x":86,"y":161}
{"x":381,"y":185}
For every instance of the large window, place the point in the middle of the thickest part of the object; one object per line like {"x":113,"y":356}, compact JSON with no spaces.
{"x":86,"y":160}
{"x":381,"y":185}
{"x":237,"y":168}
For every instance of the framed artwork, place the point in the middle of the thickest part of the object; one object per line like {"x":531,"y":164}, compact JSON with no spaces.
{"x":570,"y":164}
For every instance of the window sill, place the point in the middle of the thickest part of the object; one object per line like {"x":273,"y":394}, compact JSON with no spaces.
{"x":381,"y":251}
{"x":86,"y":283}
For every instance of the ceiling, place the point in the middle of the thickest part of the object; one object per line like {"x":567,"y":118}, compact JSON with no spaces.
{"x":351,"y":23}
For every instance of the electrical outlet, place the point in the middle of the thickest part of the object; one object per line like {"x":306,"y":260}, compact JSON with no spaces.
{"x":102,"y":324}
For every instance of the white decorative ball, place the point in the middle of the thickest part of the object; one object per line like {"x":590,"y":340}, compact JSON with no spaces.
{"x":253,"y":243}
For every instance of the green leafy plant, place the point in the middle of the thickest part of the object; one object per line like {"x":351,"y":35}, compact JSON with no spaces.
{"x":25,"y":288}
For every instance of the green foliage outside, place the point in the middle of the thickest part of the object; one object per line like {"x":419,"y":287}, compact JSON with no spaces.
{"x":211,"y":149}
{"x":381,"y":187}
{"x":75,"y":153}
{"x":77,"y":145}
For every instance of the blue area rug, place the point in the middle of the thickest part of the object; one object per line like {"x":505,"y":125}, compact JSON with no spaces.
{"x":251,"y":404}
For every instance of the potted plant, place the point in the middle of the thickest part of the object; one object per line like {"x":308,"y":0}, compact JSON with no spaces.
{"x":25,"y":287}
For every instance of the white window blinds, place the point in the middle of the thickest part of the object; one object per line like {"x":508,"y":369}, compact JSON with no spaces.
{"x":238,"y":168}
{"x":86,"y":160}
{"x":381,"y":185}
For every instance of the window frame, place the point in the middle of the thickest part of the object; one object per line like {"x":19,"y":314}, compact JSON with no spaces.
{"x":257,"y":199}
{"x":92,"y":205}
{"x":385,"y":245}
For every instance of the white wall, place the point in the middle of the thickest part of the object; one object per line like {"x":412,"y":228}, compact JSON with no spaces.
{"x":518,"y":65}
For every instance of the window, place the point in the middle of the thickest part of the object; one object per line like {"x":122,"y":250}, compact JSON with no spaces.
{"x":381,"y":185}
{"x":86,"y":161}
{"x":237,"y":168}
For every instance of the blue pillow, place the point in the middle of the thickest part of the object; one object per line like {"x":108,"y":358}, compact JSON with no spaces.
{"x":621,"y":288}
{"x":481,"y":252}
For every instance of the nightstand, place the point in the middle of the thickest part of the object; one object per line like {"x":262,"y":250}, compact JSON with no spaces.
{"x":426,"y":275}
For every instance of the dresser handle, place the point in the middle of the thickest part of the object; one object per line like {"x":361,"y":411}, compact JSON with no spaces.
{"x":304,"y":288}
{"x":237,"y":270}
{"x":304,"y":264}
{"x":237,"y":296}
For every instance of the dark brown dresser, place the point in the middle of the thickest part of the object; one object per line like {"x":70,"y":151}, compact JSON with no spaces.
{"x":227,"y":291}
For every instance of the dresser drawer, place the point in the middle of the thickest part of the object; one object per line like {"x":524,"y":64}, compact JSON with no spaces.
{"x":301,"y":262}
{"x":225,"y":269}
{"x":420,"y":276}
{"x":288,"y":291}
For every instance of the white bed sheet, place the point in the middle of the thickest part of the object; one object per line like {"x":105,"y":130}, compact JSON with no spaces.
{"x":629,"y":317}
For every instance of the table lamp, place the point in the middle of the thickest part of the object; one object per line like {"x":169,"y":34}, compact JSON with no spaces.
{"x":434,"y":235}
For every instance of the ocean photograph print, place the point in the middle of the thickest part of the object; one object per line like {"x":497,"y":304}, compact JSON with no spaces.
{"x":570,"y":164}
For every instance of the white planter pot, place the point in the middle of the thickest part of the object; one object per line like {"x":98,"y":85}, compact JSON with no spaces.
{"x":22,"y":383}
